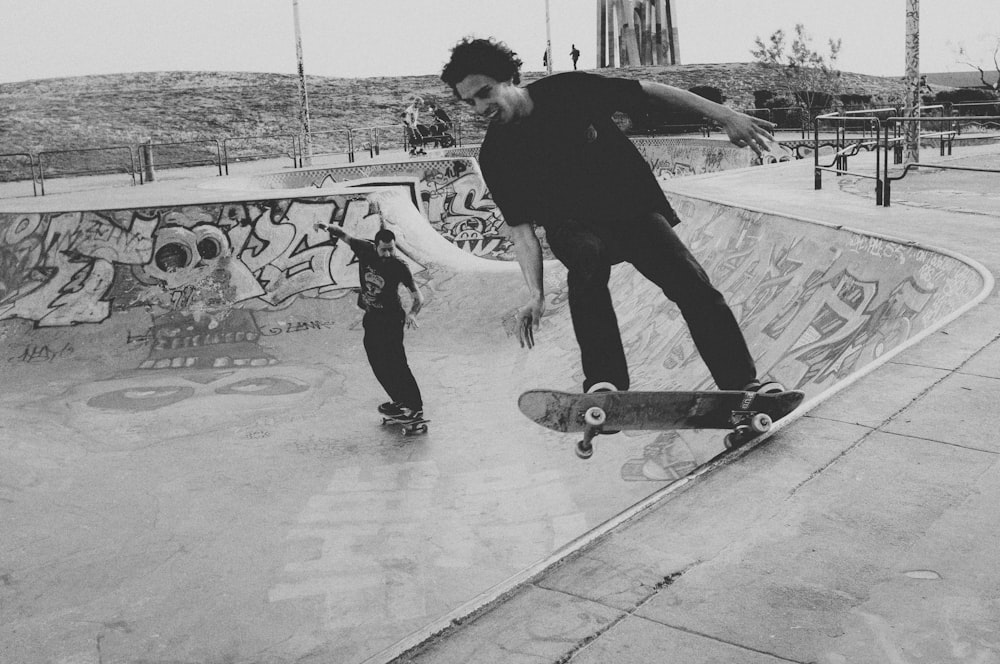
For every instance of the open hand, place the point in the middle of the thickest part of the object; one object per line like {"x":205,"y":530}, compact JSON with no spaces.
{"x":747,"y":131}
{"x":526,"y":322}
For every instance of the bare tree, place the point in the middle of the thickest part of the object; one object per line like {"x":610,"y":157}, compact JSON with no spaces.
{"x":965,"y":58}
{"x":809,"y":77}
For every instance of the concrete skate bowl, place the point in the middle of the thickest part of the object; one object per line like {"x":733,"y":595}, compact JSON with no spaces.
{"x":192,"y":469}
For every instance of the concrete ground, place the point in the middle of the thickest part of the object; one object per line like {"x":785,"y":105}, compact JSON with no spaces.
{"x":867,"y":531}
{"x":265,"y":521}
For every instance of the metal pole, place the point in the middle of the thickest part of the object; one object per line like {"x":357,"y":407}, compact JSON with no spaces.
{"x":912,"y":108}
{"x":303,"y":93}
{"x":548,"y":39}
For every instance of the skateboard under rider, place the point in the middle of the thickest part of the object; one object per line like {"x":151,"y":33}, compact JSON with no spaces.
{"x":407,"y":427}
{"x":746,"y":414}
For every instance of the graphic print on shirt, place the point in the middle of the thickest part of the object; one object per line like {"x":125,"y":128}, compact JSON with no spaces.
{"x":372,"y":285}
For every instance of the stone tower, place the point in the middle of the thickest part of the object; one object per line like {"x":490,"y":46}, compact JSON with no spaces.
{"x":636,"y":32}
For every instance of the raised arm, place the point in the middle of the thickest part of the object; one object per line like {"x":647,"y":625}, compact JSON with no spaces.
{"x":743,"y":130}
{"x":335,"y":231}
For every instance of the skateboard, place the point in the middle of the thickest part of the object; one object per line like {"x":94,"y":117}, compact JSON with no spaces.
{"x":745,"y":414}
{"x":407,"y":427}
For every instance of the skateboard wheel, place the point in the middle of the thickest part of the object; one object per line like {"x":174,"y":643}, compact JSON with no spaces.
{"x":761,"y":423}
{"x":595,"y":416}
{"x":584,"y":449}
{"x":602,"y":387}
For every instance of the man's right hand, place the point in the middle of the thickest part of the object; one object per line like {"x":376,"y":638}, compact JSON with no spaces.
{"x":332,"y":229}
{"x":527,"y":320}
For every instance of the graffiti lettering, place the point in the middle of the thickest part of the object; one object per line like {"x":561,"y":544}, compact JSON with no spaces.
{"x":37,"y":354}
{"x":291,"y":328}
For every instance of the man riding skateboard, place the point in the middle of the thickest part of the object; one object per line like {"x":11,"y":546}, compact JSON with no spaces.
{"x":553,"y":156}
{"x":381,"y":272}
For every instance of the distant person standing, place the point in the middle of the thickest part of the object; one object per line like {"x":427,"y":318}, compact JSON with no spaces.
{"x":575,"y":54}
{"x":381,"y":272}
{"x":412,"y":112}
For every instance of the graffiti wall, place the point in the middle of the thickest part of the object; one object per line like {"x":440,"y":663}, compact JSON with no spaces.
{"x":199,"y":271}
{"x":672,"y":157}
{"x":816,"y":302}
{"x":450,"y":192}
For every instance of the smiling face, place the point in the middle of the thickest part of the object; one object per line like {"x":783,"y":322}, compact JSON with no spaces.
{"x":497,"y":101}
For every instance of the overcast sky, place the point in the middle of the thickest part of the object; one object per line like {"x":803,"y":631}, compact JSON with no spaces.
{"x":360,"y":38}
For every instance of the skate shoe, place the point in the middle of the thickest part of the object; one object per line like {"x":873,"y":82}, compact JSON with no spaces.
{"x":390,"y":408}
{"x":407,"y":414}
{"x":765,"y":387}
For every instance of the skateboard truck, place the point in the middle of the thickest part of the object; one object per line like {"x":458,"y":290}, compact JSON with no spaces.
{"x":595,"y":417}
{"x":746,"y":425}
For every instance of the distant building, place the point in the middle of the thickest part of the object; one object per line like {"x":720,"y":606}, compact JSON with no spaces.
{"x":631,"y":33}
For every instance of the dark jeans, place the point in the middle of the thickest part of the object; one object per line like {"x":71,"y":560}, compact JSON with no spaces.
{"x":654,"y":249}
{"x":384,"y":345}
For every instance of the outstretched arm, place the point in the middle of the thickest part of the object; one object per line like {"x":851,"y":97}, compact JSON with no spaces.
{"x":743,"y":130}
{"x":335,"y":231}
{"x":529,"y":257}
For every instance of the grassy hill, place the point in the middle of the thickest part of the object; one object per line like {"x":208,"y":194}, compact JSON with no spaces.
{"x":127,"y":109}
{"x":176,"y":106}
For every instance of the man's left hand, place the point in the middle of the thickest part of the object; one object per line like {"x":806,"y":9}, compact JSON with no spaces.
{"x":747,"y":131}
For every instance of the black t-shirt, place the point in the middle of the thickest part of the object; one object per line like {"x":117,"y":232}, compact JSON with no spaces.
{"x":568,"y":159}
{"x":380,"y":279}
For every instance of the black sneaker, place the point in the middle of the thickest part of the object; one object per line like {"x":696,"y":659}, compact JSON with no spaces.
{"x":390,"y":408}
{"x":410,"y":414}
{"x":765,"y":387}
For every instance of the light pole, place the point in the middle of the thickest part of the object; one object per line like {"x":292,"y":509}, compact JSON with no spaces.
{"x":912,"y":105}
{"x":303,"y":93}
{"x":548,"y":40}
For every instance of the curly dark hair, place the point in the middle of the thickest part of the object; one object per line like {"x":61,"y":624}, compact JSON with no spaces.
{"x":481,"y":56}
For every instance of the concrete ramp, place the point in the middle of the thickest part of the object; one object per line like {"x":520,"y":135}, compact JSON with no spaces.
{"x":192,"y":468}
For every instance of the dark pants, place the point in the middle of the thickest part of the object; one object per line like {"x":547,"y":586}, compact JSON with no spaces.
{"x":654,"y":249}
{"x":384,"y":345}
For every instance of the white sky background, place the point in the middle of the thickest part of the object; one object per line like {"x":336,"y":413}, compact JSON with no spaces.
{"x":360,"y":38}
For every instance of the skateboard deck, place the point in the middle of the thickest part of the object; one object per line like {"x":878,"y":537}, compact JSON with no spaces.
{"x":407,"y":427}
{"x":745,"y":414}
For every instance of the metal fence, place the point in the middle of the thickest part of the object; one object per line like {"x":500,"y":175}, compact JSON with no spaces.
{"x":864,"y":125}
{"x":886,"y":134}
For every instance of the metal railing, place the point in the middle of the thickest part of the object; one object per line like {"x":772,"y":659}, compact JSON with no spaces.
{"x":867,"y":125}
{"x":316,"y":148}
{"x":42,"y":156}
{"x":886,"y":180}
{"x":31,"y":169}
{"x":842,"y":148}
{"x":293,"y":155}
{"x":149,"y":158}
{"x":888,"y":135}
